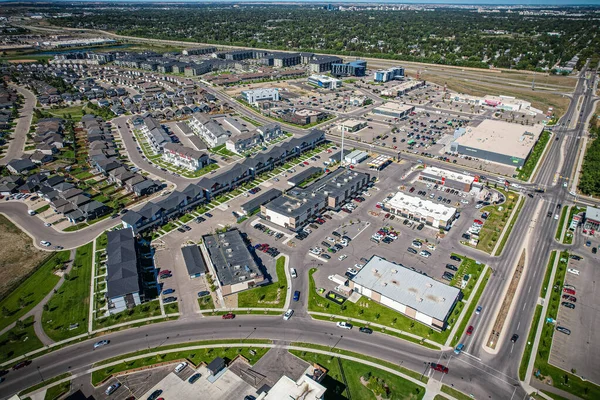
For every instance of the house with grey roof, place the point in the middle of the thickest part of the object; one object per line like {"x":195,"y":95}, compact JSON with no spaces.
{"x":123,"y":282}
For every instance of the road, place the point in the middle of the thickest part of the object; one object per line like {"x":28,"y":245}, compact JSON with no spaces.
{"x":17,"y":145}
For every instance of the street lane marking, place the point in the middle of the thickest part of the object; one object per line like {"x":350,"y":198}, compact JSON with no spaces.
{"x":518,"y":325}
{"x":524,"y":306}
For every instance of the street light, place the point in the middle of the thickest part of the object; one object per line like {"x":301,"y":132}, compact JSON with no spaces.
{"x":40,"y":372}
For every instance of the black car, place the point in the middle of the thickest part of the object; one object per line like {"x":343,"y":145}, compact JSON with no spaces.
{"x":387,"y":240}
{"x":181,"y":230}
{"x":568,"y":305}
{"x":421,"y":226}
{"x":366,"y":330}
{"x":326,"y":256}
{"x":155,"y":394}
{"x":209,"y":215}
{"x":411,"y":250}
{"x":455,"y":258}
{"x":451,"y":267}
{"x":575,"y":257}
{"x":336,"y":234}
{"x":405,"y":222}
{"x":169,"y":299}
{"x":514,"y":338}
{"x":194,"y":378}
{"x":348,"y":238}
{"x":530,"y":195}
{"x":349,"y":275}
{"x":564,"y":330}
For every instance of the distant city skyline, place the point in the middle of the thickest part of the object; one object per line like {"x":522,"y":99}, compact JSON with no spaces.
{"x":536,"y":3}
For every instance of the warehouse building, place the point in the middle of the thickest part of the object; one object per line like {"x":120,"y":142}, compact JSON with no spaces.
{"x":451,"y":179}
{"x":325,"y":82}
{"x":389,"y":74}
{"x":231,"y":262}
{"x":394,"y":110}
{"x":421,"y":210}
{"x":498,"y":141}
{"x":410,"y":293}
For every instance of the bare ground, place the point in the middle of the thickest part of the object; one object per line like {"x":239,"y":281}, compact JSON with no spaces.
{"x":18,"y":256}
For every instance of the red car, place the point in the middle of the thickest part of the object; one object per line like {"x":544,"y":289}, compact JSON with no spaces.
{"x":228,"y":316}
{"x":387,"y":215}
{"x":412,"y":189}
{"x":569,"y":291}
{"x":165,"y":272}
{"x":478,"y":222}
{"x":570,"y":298}
{"x":470,"y":330}
{"x":21,"y":364}
{"x":305,"y":163}
{"x":377,"y":206}
{"x":439,"y":367}
{"x":321,"y":220}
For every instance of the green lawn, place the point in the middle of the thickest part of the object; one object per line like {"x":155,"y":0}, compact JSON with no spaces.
{"x":371,"y":311}
{"x":18,"y":341}
{"x":561,"y":379}
{"x":101,"y":242}
{"x":496,"y":222}
{"x":439,"y":397}
{"x":172,"y":308}
{"x":470,"y":267}
{"x":472,"y":306}
{"x":529,"y":343}
{"x":42,"y":209}
{"x":206,"y":303}
{"x":148,"y":309}
{"x":269,"y":296}
{"x":525,"y":172}
{"x":32,"y":290}
{"x":553,"y":395}
{"x":76,"y":112}
{"x":194,"y":356}
{"x":57,"y":391}
{"x":70,"y":305}
{"x":344,"y":379}
{"x":44,"y":383}
{"x":546,"y":282}
{"x":455,"y":393}
{"x":509,"y":229}
{"x":561,"y":223}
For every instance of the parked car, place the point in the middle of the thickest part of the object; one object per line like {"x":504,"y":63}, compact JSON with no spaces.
{"x":168,"y":291}
{"x":569,"y":291}
{"x":564,"y":330}
{"x":155,"y":394}
{"x":451,"y":267}
{"x":112,"y":388}
{"x":169,"y":299}
{"x":573,"y":271}
{"x":194,"y":378}
{"x":455,"y":258}
{"x":411,"y":250}
{"x":203,"y":293}
{"x":568,"y":305}
{"x":45,"y":243}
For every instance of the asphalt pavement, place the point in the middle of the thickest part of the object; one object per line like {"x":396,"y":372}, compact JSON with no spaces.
{"x":17,"y":145}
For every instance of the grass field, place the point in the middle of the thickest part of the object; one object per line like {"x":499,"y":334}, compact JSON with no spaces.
{"x":17,"y":260}
{"x":371,"y":311}
{"x":148,"y":309}
{"x":70,"y":305}
{"x":546,"y":282}
{"x":206,"y":303}
{"x":344,"y":378}
{"x":44,"y":383}
{"x":568,"y":238}
{"x":470,"y":267}
{"x":529,"y":343}
{"x":32,"y":290}
{"x":561,"y":223}
{"x":56,"y":391}
{"x":269,"y":296}
{"x":19,"y":341}
{"x":76,"y":112}
{"x":455,"y":393}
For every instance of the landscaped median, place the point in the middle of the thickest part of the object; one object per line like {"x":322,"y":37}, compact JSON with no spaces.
{"x":546,"y":282}
{"x":43,"y":384}
{"x":496,"y":221}
{"x":509,"y":229}
{"x":561,"y":223}
{"x":272,"y":295}
{"x":560,"y":378}
{"x":527,"y":169}
{"x":529,"y":344}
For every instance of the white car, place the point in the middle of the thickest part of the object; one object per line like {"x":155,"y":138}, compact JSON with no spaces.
{"x":315,"y":251}
{"x":431,"y":246}
{"x":464,"y":201}
{"x":573,"y":271}
{"x":352,"y":271}
{"x":424,"y":253}
{"x":368,"y":194}
{"x":307,"y":229}
{"x":342,"y":257}
{"x":344,"y":325}
{"x":556,"y":216}
{"x":344,"y":242}
{"x":180,"y":367}
{"x":293,"y":273}
{"x":100,"y":344}
{"x":358,"y":266}
{"x":288,"y":314}
{"x":45,"y":243}
{"x":48,"y":224}
{"x":417,"y":244}
{"x":330,"y":239}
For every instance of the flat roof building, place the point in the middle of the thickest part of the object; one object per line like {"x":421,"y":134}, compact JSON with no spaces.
{"x":451,"y":179}
{"x":352,"y":68}
{"x":325,"y":82}
{"x":193,"y":260}
{"x":402,"y":88}
{"x":393,"y":109}
{"x":498,"y":141}
{"x":352,"y":125}
{"x":421,"y":210}
{"x":380,"y":162}
{"x":253,"y":96}
{"x":389,"y":74}
{"x":254,"y":204}
{"x":232,"y":262}
{"x":592,"y":218}
{"x":356,"y":157}
{"x":410,"y":293}
{"x":303,"y":175}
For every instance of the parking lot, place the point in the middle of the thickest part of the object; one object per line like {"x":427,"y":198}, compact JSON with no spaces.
{"x":579,"y":351}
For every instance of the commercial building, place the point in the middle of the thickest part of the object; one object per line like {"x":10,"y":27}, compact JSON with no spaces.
{"x":402,"y":88}
{"x":389,"y":74}
{"x":592,"y":218}
{"x":304,"y":116}
{"x":122,"y":279}
{"x":356,"y":157}
{"x":353,"y":68}
{"x":380,"y":162}
{"x":231,"y":262}
{"x":181,"y":156}
{"x":498,"y":141}
{"x":322,"y":64}
{"x":410,"y":293}
{"x":451,"y":179}
{"x":393,"y":109}
{"x":352,"y":125}
{"x":255,"y":95}
{"x":325,"y":82}
{"x":421,"y":210}
{"x":307,"y":387}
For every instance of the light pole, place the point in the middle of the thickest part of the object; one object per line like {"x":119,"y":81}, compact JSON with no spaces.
{"x":40,"y":372}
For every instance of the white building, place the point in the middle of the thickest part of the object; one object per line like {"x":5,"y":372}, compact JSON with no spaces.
{"x":208,"y":129}
{"x":421,"y":210}
{"x":307,"y":387}
{"x":356,"y":157}
{"x":325,"y":82}
{"x":393,"y":109}
{"x":181,"y":156}
{"x":415,"y":295}
{"x":255,"y":95}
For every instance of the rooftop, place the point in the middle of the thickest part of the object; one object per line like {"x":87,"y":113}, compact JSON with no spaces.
{"x":391,"y":106}
{"x":424,"y":207}
{"x":401,"y":284}
{"x":592,"y":213}
{"x":502,"y":137}
{"x":193,"y":260}
{"x":450,"y":175}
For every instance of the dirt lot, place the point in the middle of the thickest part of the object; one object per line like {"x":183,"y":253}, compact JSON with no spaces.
{"x":18,"y":259}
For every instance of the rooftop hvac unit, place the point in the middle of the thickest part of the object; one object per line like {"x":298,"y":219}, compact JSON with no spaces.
{"x":420,"y":299}
{"x":375,"y":270}
{"x":429,"y":285}
{"x":384,"y":284}
{"x":394,"y":271}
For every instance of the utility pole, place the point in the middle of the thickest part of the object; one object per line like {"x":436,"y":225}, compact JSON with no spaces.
{"x":342,"y":151}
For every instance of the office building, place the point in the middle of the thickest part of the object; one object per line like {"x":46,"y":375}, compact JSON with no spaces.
{"x":389,"y":74}
{"x":408,"y":292}
{"x":352,"y":125}
{"x":255,"y":95}
{"x":353,"y":68}
{"x":325,"y":82}
{"x":420,"y":210}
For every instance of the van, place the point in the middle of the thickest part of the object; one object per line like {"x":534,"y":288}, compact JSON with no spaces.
{"x":293,"y":273}
{"x":459,"y":348}
{"x":180,"y":367}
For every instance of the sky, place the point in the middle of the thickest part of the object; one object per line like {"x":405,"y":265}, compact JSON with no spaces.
{"x":454,"y":2}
